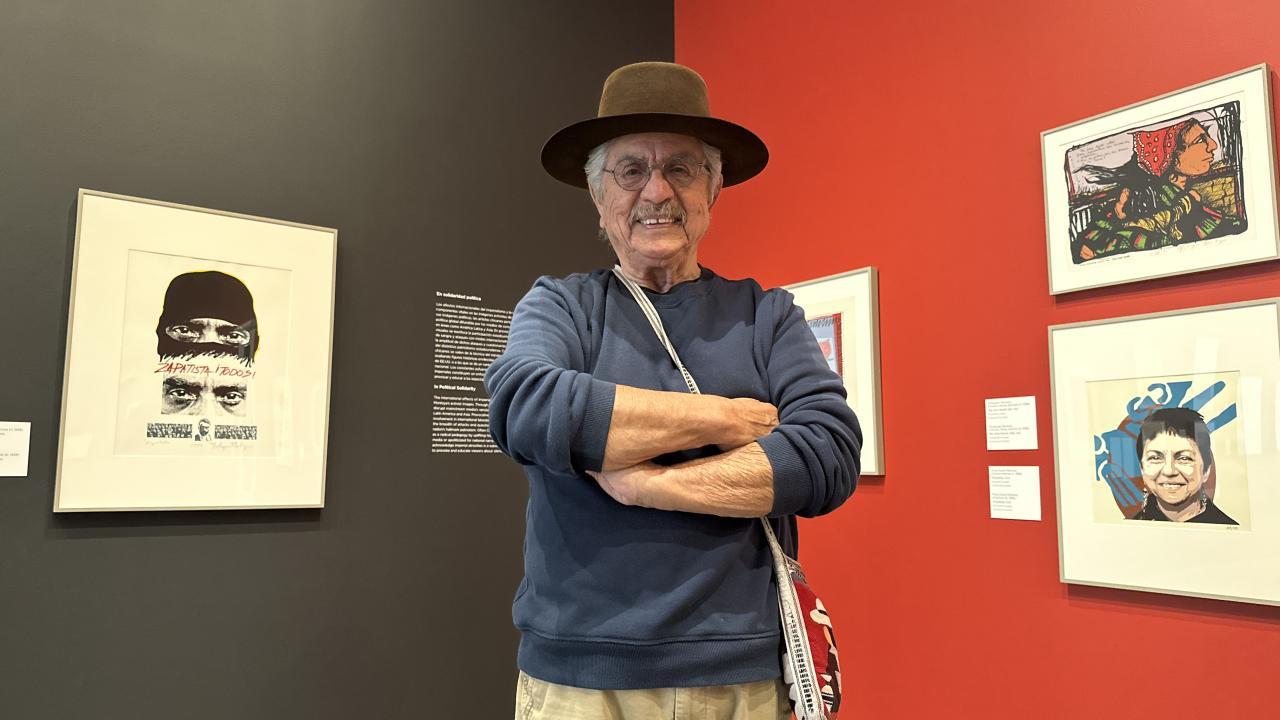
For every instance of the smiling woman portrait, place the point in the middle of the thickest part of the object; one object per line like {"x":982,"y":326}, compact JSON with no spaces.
{"x":1178,"y":474}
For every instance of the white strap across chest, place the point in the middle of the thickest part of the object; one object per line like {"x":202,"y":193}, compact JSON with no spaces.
{"x":798,"y":657}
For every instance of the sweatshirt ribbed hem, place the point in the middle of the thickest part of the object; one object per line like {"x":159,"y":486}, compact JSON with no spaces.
{"x":617,"y":666}
{"x":792,"y":487}
{"x":588,"y":453}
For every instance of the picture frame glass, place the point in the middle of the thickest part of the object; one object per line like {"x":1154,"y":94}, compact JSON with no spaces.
{"x":842,"y":311}
{"x":1176,"y":184}
{"x":198,"y":360}
{"x":1165,"y":441}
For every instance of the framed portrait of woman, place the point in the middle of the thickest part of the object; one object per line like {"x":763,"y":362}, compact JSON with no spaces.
{"x":1166,"y":450}
{"x":1171,"y":185}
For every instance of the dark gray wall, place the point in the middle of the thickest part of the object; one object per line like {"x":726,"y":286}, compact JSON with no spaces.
{"x":411,"y":126}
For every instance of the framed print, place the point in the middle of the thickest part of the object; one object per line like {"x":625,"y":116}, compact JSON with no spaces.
{"x":198,"y":360}
{"x":1172,"y":185}
{"x":1166,"y":449}
{"x":843,"y":313}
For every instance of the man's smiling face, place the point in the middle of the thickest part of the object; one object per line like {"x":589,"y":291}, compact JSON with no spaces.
{"x":660,"y":223}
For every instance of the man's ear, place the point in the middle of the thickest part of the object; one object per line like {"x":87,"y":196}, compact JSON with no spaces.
{"x":715,"y":192}
{"x":596,"y":201}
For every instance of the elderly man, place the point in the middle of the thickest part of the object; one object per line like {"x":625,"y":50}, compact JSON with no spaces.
{"x":648,"y":589}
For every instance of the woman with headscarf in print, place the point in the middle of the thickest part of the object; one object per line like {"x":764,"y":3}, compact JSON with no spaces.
{"x":1150,"y":202}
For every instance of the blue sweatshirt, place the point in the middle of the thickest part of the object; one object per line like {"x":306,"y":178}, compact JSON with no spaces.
{"x":620,"y":597}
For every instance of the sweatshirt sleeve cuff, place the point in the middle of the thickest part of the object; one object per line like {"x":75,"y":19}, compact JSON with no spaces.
{"x":791,"y":486}
{"x":588,"y":450}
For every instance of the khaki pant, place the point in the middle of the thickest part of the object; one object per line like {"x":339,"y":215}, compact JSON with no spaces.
{"x":540,"y":700}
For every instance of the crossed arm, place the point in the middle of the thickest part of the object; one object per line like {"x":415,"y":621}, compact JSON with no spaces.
{"x":648,"y":423}
{"x":798,"y":455}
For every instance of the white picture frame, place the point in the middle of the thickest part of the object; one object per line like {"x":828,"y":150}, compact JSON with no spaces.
{"x":198,"y":360}
{"x":1107,"y":379}
{"x":1118,"y":208}
{"x":852,"y":346}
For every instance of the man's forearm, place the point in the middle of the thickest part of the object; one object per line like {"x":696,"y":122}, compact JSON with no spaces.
{"x":649,"y":423}
{"x":738,"y":483}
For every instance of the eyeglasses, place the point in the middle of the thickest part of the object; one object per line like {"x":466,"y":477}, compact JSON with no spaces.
{"x":679,"y":171}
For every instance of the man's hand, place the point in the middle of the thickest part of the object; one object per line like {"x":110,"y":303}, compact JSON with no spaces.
{"x":746,"y":421}
{"x":628,"y":485}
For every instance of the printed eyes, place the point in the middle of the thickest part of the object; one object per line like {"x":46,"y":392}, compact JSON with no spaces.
{"x":234,"y":336}
{"x":180,"y":397}
{"x":1184,"y":459}
{"x":229,"y":397}
{"x":208,"y":330}
{"x":183,"y":333}
{"x":188,"y":397}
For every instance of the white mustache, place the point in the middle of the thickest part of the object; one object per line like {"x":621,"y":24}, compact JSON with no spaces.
{"x":653,"y":212}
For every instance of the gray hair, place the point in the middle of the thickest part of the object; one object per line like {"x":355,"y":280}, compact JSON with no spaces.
{"x":595,"y":165}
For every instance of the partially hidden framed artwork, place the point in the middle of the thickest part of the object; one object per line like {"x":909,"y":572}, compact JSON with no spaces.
{"x":1167,"y":451}
{"x":198,"y":360}
{"x":843,"y":312}
{"x":1176,"y":184}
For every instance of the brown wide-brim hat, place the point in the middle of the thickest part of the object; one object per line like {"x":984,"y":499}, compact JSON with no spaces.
{"x":654,"y":97}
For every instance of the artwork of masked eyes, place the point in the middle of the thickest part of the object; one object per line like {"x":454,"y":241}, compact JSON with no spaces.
{"x":207,"y":313}
{"x":203,"y":393}
{"x":198,"y":346}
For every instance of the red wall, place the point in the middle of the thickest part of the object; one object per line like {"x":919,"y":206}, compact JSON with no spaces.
{"x":905,"y":135}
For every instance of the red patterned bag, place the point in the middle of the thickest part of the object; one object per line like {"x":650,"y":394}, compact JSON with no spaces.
{"x":811,"y":663}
